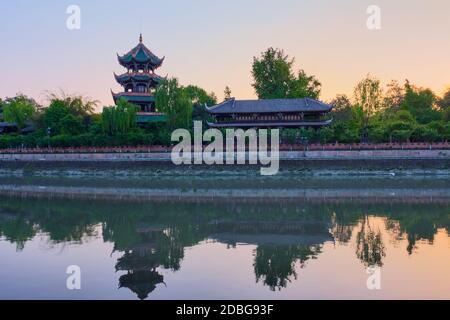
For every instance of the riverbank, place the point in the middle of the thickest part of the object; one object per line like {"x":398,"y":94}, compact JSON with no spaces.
{"x":299,"y":195}
{"x":439,"y":154}
{"x":306,"y":163}
{"x":226,"y":186}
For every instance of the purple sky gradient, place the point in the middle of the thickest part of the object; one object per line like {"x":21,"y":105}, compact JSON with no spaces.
{"x":212,"y":43}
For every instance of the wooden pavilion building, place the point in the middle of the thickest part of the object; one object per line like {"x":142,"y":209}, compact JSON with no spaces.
{"x":271,"y":113}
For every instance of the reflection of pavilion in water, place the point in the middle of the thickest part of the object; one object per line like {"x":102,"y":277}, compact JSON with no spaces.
{"x":140,"y":261}
{"x":271,"y":232}
{"x":279,"y":245}
{"x":282,"y":241}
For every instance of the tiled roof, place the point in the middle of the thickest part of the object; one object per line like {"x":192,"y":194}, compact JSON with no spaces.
{"x":141,"y":54}
{"x":137,"y":76}
{"x":269,"y":106}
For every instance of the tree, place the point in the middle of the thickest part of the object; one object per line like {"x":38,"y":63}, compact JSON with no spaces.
{"x":444,"y":105}
{"x":77,"y":104}
{"x":199,"y":98}
{"x":61,"y":106}
{"x":420,"y":102}
{"x":53,"y":115}
{"x":394,"y":96}
{"x":401,"y":126}
{"x":342,"y":108}
{"x":305,"y":86}
{"x":19,"y":110}
{"x":119,"y":119}
{"x":368,"y":95}
{"x":227,"y":93}
{"x":72,"y":125}
{"x":1,"y":109}
{"x":174,"y":101}
{"x":274,"y":78}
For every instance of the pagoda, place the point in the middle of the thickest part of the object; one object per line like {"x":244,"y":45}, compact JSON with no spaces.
{"x":140,"y":81}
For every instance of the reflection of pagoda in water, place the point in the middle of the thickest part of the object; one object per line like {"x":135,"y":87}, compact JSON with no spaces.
{"x":140,"y":262}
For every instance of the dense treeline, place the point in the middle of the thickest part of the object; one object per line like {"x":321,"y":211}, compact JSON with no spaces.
{"x":71,"y":121}
{"x":394,"y":113}
{"x":397,"y":113}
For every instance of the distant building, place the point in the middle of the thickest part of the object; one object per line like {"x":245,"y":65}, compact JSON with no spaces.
{"x":272,"y":113}
{"x":140,"y":81}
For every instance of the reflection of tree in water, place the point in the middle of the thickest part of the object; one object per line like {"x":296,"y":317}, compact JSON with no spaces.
{"x":369,"y":245}
{"x":17,"y":230}
{"x":153,"y":235}
{"x":275,"y":264}
{"x":341,"y":230}
{"x":280,"y":244}
{"x":419,"y":227}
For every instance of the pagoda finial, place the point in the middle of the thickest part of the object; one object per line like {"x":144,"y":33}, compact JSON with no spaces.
{"x":140,"y":38}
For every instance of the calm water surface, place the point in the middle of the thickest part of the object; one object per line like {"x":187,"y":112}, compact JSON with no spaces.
{"x":227,"y":249}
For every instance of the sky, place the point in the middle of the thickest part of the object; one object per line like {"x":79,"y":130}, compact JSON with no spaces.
{"x":212,"y":43}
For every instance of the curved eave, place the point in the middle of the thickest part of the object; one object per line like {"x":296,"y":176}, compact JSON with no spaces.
{"x":213,"y":109}
{"x":149,"y":58}
{"x":134,"y":97}
{"x":149,"y":78}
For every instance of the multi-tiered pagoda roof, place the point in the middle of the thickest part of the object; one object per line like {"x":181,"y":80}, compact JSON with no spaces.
{"x":130,"y":77}
{"x":140,"y":81}
{"x":140,"y":56}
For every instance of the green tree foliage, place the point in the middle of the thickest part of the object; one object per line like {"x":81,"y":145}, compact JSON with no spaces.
{"x":394,"y":96}
{"x":174,"y":100}
{"x":72,"y":125}
{"x":305,"y":86}
{"x":119,"y":119}
{"x":199,"y":98}
{"x":368,"y":95}
{"x":420,"y":102}
{"x":67,"y":114}
{"x":342,"y":108}
{"x":54,"y":114}
{"x":19,"y":110}
{"x":76,"y":104}
{"x":274,"y":77}
{"x":346,"y":125}
{"x":444,"y":106}
{"x":400,"y":127}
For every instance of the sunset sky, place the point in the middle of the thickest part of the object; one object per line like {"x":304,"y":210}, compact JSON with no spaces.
{"x":211,"y":43}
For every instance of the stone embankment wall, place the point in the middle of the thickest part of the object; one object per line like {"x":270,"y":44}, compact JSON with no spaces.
{"x":284,"y":155}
